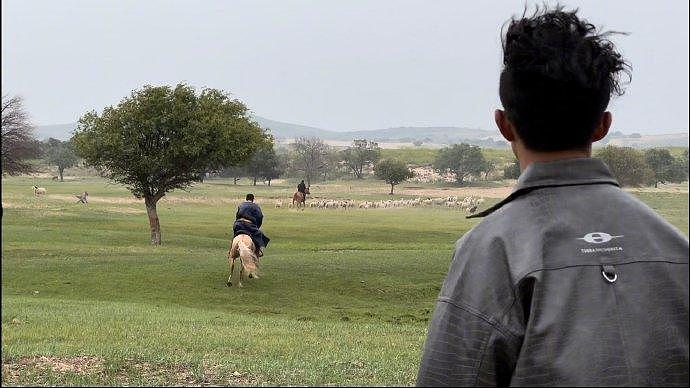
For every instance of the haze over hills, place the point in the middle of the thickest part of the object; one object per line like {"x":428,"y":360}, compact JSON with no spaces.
{"x":405,"y":136}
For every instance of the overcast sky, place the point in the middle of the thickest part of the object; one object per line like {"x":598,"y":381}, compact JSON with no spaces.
{"x":337,"y":65}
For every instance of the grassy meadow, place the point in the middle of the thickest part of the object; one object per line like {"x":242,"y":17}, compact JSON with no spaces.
{"x":344,"y":299}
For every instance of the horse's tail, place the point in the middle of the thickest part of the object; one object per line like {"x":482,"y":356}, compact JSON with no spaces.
{"x":247,"y":254}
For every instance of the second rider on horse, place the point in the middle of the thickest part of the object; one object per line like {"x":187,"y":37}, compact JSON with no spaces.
{"x":302,"y":188}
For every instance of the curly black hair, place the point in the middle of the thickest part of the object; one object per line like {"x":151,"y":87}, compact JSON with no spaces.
{"x":558,"y":76}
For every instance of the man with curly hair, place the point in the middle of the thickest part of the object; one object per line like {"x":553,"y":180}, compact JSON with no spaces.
{"x":569,"y":281}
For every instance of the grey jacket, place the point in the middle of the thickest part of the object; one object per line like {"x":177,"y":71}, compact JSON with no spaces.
{"x":568,"y":281}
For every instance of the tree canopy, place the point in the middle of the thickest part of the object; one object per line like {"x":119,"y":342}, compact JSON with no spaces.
{"x":361,"y":153}
{"x":60,"y":154}
{"x":462,"y":160}
{"x":264,"y":164}
{"x":162,"y":138}
{"x":628,"y":165}
{"x":392,"y":171}
{"x":310,"y":156}
{"x":512,"y":171}
{"x":666,"y":168}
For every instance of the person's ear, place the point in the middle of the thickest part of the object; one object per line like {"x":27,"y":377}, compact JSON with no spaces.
{"x":603,"y":126}
{"x":504,"y":125}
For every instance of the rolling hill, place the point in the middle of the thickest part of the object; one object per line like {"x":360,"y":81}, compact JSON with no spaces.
{"x":430,"y":136}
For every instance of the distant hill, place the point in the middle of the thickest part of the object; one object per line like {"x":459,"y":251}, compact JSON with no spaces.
{"x":288,"y":131}
{"x":56,"y":131}
{"x":637,"y":140}
{"x":429,"y":136}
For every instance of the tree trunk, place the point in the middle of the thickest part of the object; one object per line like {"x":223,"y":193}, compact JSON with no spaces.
{"x":656,"y":184}
{"x":269,"y":183}
{"x":154,"y":223}
{"x":391,"y":193}
{"x":60,"y":171}
{"x":254,"y":181}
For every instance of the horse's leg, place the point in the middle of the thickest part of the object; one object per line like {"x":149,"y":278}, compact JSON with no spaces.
{"x":232,"y":269}
{"x":239,"y":284}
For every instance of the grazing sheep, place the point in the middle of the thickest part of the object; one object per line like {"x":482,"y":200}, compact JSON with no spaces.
{"x":279,"y":203}
{"x":39,"y":190}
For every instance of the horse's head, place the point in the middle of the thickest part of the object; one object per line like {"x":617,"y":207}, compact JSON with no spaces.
{"x":306,"y":191}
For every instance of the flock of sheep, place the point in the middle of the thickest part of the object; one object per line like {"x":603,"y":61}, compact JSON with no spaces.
{"x":468,"y":204}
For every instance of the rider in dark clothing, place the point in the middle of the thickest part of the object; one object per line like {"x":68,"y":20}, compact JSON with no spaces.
{"x":302,"y":188}
{"x":248,"y":220}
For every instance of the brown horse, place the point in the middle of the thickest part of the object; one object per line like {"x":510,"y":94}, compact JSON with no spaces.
{"x":300,"y":198}
{"x":243,"y":248}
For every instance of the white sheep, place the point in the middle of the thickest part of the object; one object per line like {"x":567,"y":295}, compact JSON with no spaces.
{"x":39,"y":190}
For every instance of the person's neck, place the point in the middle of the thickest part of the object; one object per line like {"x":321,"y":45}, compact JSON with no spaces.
{"x":527,"y":157}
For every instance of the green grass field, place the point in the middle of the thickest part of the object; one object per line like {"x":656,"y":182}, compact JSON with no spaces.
{"x":345,"y":297}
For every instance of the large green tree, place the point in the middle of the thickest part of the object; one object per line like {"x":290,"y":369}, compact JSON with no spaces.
{"x":392,"y":171}
{"x":666,"y":168}
{"x":462,"y":160}
{"x":628,"y":165}
{"x":361,"y":153}
{"x":60,"y":154}
{"x":162,"y":138}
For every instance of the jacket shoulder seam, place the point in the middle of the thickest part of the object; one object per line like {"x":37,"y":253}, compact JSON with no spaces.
{"x":484,"y":317}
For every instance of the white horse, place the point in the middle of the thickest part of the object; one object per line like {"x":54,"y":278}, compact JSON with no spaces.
{"x":242,"y":247}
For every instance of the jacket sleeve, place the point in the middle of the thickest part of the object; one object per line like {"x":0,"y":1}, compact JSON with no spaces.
{"x":467,"y":343}
{"x":465,"y":349}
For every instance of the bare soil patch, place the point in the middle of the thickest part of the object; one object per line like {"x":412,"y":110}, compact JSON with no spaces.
{"x":35,"y":370}
{"x":13,"y":371}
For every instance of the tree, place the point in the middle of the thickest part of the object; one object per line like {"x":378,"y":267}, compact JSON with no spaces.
{"x":18,"y":142}
{"x":392,"y":171}
{"x":627,"y":165}
{"x":264,"y":164}
{"x":512,"y":171}
{"x":332,"y":164}
{"x":310,"y":156}
{"x":462,"y":160}
{"x":489,"y":167}
{"x":60,"y":154}
{"x":235,"y":172}
{"x":682,"y":164}
{"x":163,"y":138}
{"x":666,"y":168}
{"x":361,"y":153}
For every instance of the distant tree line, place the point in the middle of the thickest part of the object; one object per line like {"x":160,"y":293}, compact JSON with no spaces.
{"x":633,"y":167}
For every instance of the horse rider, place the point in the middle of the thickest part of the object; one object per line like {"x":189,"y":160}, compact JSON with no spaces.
{"x":302,"y":188}
{"x":248,"y":220}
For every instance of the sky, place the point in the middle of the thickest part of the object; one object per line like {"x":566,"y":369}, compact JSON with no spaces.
{"x":339,"y":65}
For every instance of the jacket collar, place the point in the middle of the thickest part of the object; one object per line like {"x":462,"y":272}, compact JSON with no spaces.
{"x":564,"y":172}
